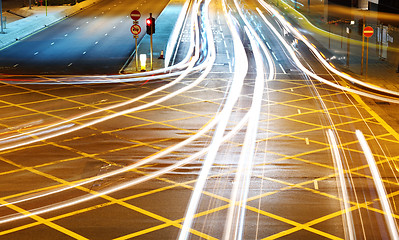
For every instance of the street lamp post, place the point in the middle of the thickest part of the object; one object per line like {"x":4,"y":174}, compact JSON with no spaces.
{"x":1,"y":16}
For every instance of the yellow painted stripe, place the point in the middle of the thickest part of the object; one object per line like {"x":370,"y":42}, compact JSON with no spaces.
{"x":44,"y":221}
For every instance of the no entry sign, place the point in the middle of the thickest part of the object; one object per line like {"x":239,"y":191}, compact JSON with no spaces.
{"x":135,"y":15}
{"x":135,"y":29}
{"x":368,"y":31}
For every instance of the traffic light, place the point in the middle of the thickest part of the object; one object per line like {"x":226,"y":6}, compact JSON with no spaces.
{"x":150,"y":22}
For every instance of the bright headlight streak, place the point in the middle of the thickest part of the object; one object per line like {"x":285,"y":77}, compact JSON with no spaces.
{"x":173,"y":148}
{"x":217,"y":119}
{"x":78,"y":127}
{"x":234,"y":227}
{"x":185,"y":73}
{"x":234,"y":93}
{"x":382,"y":195}
{"x":323,"y":61}
{"x":305,"y":70}
{"x":344,"y":190}
{"x":78,"y":200}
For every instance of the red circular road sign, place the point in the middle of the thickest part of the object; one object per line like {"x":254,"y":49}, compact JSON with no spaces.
{"x":135,"y":15}
{"x":368,"y":31}
{"x":135,"y":29}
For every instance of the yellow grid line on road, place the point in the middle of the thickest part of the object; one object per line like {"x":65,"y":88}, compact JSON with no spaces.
{"x":43,"y":221}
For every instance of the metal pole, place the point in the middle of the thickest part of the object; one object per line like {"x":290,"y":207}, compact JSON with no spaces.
{"x":342,"y":33}
{"x":46,"y":7}
{"x":308,"y":5}
{"x":151,"y":41}
{"x":329,"y":33}
{"x":367,"y":58}
{"x":137,"y":57}
{"x":1,"y":16}
{"x":348,"y":48}
{"x":362,"y":63}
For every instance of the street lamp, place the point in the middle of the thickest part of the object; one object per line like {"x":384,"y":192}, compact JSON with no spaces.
{"x":1,"y":16}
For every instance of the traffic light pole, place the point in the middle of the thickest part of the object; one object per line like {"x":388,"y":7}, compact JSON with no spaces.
{"x":151,"y":41}
{"x":137,"y":56}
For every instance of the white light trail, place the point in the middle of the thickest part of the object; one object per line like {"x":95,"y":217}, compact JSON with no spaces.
{"x":209,"y":64}
{"x":90,"y":123}
{"x":382,"y":195}
{"x":313,"y":75}
{"x":234,"y":93}
{"x":235,"y":220}
{"x":344,"y":190}
{"x":14,"y":217}
{"x":319,"y":56}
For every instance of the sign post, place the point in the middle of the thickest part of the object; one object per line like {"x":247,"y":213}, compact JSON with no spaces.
{"x":367,"y":32}
{"x":136,"y":29}
{"x":362,"y":63}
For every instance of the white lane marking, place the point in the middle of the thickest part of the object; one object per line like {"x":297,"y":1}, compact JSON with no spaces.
{"x":84,"y":53}
{"x":52,"y":43}
{"x":274,"y":55}
{"x":16,"y":65}
{"x":228,"y":55}
{"x":66,"y":35}
{"x":96,"y":42}
{"x":282,"y":68}
{"x":225,"y":45}
{"x":69,"y":64}
{"x":263,"y":36}
{"x":268,"y":45}
{"x":77,"y":28}
{"x":106,"y":34}
{"x":36,"y":53}
{"x":114,"y":27}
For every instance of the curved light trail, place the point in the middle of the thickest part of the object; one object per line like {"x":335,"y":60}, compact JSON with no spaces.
{"x":162,"y":153}
{"x":382,"y":195}
{"x":322,"y":59}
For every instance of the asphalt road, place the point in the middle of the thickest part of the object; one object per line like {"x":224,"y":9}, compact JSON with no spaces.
{"x":293,"y":191}
{"x":94,"y":41}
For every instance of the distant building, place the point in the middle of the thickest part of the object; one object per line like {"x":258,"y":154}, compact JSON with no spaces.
{"x":391,"y":6}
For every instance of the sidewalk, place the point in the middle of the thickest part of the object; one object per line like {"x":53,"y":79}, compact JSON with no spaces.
{"x":383,"y":45}
{"x":35,"y":20}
